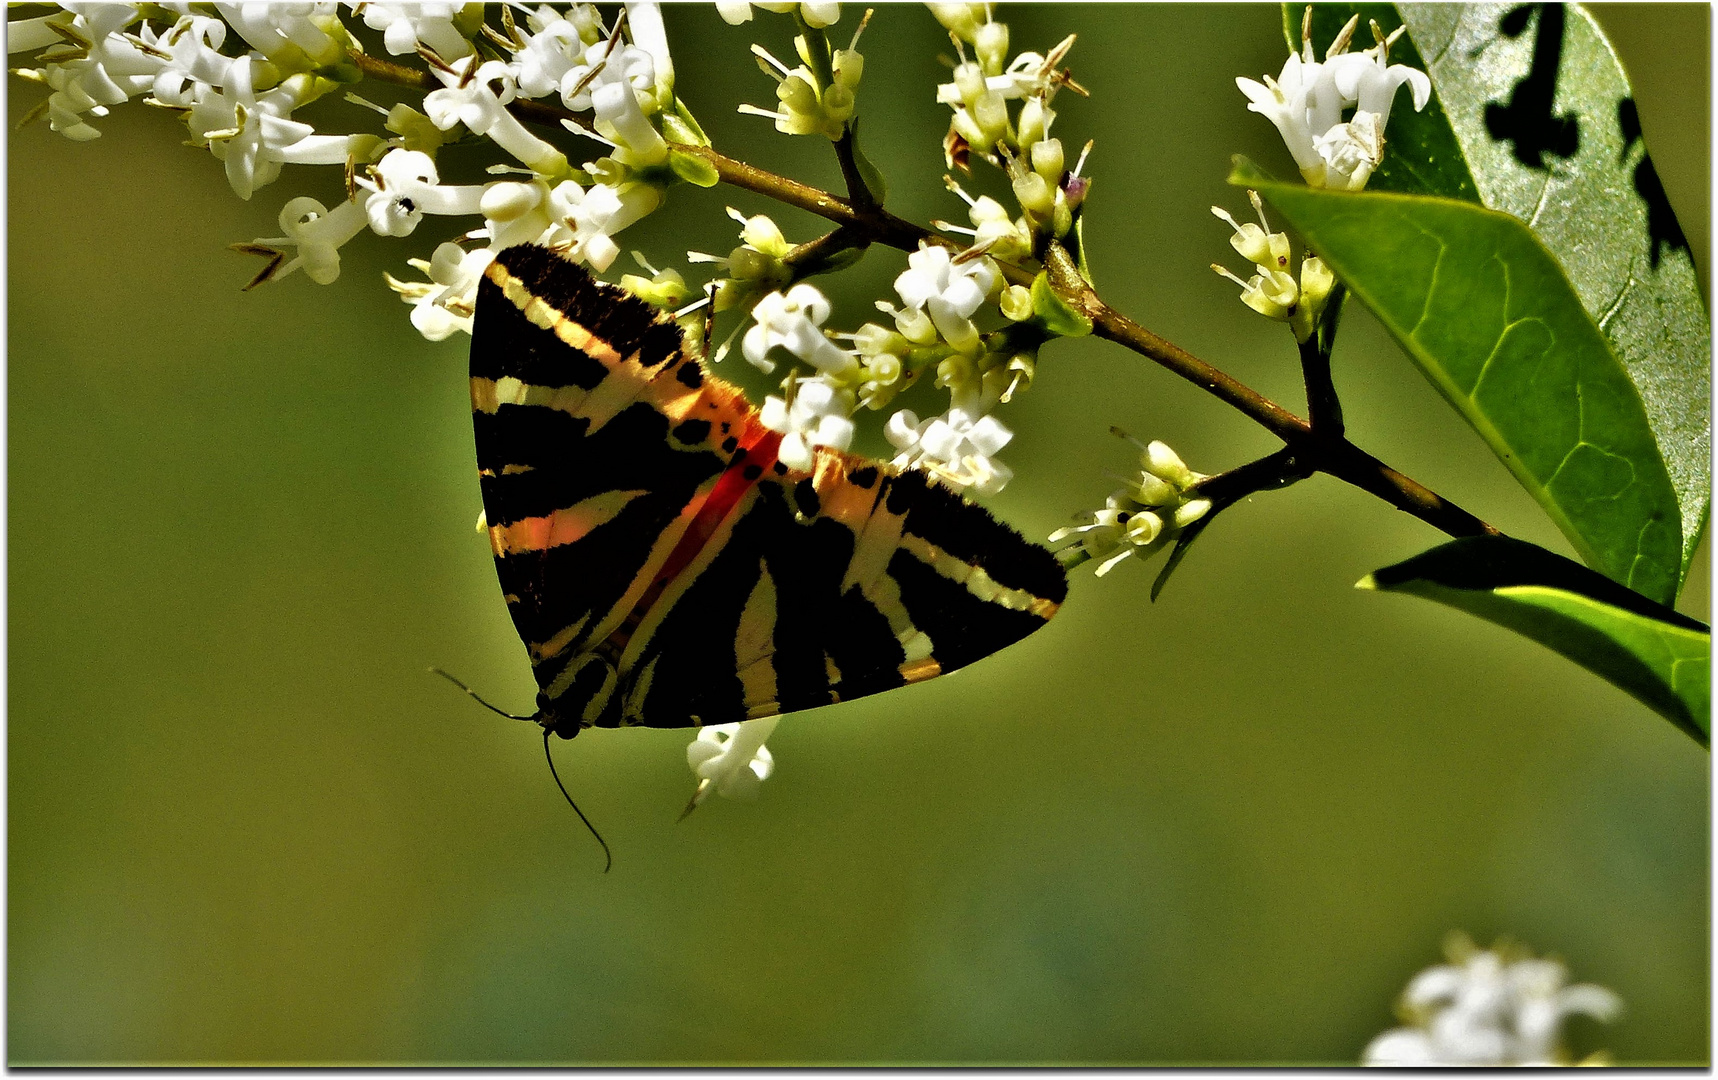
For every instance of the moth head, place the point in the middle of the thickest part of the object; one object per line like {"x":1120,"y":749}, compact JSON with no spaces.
{"x":588,"y":700}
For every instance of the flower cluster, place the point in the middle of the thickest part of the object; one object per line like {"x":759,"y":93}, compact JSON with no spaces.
{"x":1306,"y":102}
{"x":731,"y":759}
{"x":1016,"y":139}
{"x":1273,"y":292}
{"x":934,"y":329}
{"x":1488,"y":1008}
{"x":240,"y":104}
{"x":819,"y":96}
{"x":1140,"y":518}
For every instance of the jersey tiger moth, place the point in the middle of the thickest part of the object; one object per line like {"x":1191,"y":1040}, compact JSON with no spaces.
{"x":664,"y":568}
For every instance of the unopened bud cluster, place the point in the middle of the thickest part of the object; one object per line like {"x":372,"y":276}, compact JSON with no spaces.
{"x":1140,"y":518}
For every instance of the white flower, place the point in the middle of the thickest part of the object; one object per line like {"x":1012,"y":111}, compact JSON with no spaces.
{"x":404,"y":187}
{"x":294,"y":36}
{"x":1367,"y":80}
{"x":104,"y":68}
{"x":447,"y":301}
{"x":948,"y":292}
{"x":957,"y":446}
{"x":405,"y":26}
{"x":197,"y":63}
{"x":620,"y":85}
{"x":33,"y":35}
{"x":1489,"y":1008}
{"x":815,"y":413}
{"x":1306,"y":101}
{"x":480,"y":103}
{"x":1351,"y":151}
{"x":547,"y":57}
{"x":254,"y":134}
{"x":817,"y":13}
{"x":731,"y":759}
{"x":578,"y":221}
{"x":791,"y":321}
{"x":644,"y":24}
{"x":316,"y":234}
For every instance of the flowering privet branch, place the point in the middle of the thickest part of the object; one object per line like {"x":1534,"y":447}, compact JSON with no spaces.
{"x":530,"y":72}
{"x":1319,"y":443}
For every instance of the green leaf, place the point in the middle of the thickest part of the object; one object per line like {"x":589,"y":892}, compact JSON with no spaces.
{"x":1054,"y":312}
{"x":1486,"y":313}
{"x":1546,"y":120}
{"x":1422,"y":155}
{"x":693,"y":169}
{"x":1661,"y":657}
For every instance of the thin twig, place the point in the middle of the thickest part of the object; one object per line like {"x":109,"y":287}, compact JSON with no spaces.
{"x":1315,"y":450}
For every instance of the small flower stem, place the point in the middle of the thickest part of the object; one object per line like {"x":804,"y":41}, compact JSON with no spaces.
{"x":1336,"y":456}
{"x":1323,"y":408}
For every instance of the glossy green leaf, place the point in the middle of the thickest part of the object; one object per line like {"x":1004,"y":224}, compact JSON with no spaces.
{"x":1547,"y":124}
{"x":1421,"y":155}
{"x":1661,"y":657}
{"x":1486,"y":313}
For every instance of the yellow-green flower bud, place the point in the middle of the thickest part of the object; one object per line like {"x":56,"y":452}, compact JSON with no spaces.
{"x":1316,"y":281}
{"x":991,"y":44}
{"x":1035,"y":120}
{"x":961,"y":20}
{"x":1165,"y":464}
{"x":969,"y":80}
{"x":1143,"y":528}
{"x":1190,"y":511}
{"x":1047,"y":160}
{"x":1153,"y":491}
{"x":848,"y":67}
{"x":1016,"y":303}
{"x":1036,"y":196}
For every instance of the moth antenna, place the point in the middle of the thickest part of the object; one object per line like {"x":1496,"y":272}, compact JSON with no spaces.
{"x":479,"y":700}
{"x":607,"y":854}
{"x":709,"y":320}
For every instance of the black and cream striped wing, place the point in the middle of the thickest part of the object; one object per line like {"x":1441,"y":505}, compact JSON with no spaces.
{"x":637,"y":511}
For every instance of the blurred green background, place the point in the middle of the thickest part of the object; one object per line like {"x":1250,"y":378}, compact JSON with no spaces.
{"x":245,"y":825}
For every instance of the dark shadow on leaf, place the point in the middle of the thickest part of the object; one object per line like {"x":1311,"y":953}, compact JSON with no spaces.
{"x":1663,"y":230}
{"x":1527,"y":122}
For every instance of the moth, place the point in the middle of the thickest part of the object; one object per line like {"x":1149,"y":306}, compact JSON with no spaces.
{"x":664,"y":568}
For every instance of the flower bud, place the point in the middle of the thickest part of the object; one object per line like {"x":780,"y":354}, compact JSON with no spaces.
{"x":961,"y":20}
{"x":507,"y":200}
{"x":991,"y":44}
{"x":1165,"y":464}
{"x":1190,"y":511}
{"x":1047,"y":160}
{"x":1036,"y":196}
{"x":848,"y":67}
{"x":1035,"y":120}
{"x":1143,"y":528}
{"x":1016,"y":303}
